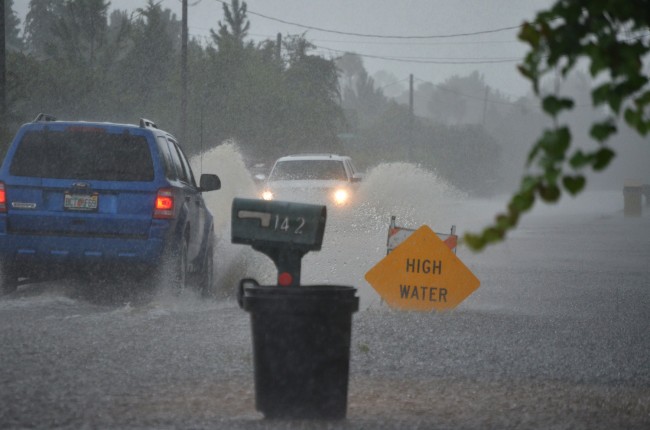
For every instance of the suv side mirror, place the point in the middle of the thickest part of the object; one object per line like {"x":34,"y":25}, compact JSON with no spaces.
{"x":285,"y":231}
{"x":209,"y":182}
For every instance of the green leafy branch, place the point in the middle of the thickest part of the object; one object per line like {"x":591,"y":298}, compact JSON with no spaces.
{"x":614,"y":38}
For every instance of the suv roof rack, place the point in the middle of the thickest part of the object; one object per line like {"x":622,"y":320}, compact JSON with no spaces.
{"x":147,"y":123}
{"x":44,"y":117}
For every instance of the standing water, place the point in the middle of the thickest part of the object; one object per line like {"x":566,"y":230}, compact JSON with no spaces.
{"x":355,"y":237}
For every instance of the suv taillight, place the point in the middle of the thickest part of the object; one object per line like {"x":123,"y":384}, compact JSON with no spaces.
{"x":3,"y":198}
{"x":164,"y":206}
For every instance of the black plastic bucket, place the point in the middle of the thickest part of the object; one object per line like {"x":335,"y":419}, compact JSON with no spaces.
{"x":301,"y":348}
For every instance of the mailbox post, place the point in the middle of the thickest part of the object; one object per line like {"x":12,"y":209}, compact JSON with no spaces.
{"x":284,"y":231}
{"x":301,"y":333}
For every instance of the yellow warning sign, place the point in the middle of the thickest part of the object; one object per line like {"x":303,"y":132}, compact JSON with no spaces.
{"x":422,"y":274}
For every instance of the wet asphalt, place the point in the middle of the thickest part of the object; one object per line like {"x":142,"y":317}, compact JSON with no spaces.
{"x":557,"y":336}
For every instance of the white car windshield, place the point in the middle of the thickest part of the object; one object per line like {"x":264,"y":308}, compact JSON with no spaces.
{"x":308,"y":169}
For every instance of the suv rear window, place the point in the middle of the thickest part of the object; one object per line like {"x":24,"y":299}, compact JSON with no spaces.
{"x":83,"y":154}
{"x":308,"y":169}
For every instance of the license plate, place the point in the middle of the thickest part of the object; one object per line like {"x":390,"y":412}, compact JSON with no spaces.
{"x":80,"y":202}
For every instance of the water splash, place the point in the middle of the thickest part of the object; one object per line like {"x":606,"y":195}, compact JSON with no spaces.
{"x":414,"y":195}
{"x":225,"y":160}
{"x":232,"y":262}
{"x":355,"y":237}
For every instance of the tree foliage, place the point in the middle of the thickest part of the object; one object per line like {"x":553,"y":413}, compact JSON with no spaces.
{"x":316,"y":104}
{"x":273,"y":98}
{"x":147,"y":68}
{"x":12,"y":27}
{"x":450,"y":100}
{"x":80,"y":32}
{"x":611,"y":37}
{"x":82,"y":63}
{"x":363,"y":98}
{"x":39,"y":24}
{"x":231,"y":34}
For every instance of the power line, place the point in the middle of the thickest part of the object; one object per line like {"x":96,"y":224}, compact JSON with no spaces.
{"x":383,"y":42}
{"x":397,"y":43}
{"x":417,"y":60}
{"x":377,"y":36}
{"x":424,"y":60}
{"x":393,"y":83}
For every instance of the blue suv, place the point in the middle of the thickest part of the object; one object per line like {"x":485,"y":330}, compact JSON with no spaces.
{"x":103,"y":199}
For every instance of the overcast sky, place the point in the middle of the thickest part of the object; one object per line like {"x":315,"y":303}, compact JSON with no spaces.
{"x":433,"y":59}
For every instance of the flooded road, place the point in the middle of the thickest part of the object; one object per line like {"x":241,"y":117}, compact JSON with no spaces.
{"x":557,"y":335}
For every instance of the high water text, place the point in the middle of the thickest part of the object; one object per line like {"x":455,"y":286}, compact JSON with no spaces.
{"x":421,"y":292}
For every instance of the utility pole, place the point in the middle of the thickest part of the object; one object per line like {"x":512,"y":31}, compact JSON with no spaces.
{"x":3,"y":74}
{"x":485,"y":100}
{"x":411,"y":96}
{"x":184,"y":73}
{"x":278,"y":48}
{"x":411,"y":117}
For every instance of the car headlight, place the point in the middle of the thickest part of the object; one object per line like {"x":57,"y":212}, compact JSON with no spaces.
{"x":267,"y":195}
{"x":341,"y":197}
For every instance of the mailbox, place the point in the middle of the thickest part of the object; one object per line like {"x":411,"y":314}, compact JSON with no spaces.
{"x":263,"y":223}
{"x":285,"y":231}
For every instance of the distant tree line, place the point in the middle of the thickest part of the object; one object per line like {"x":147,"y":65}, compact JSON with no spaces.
{"x":76,"y":59}
{"x":459,"y":146}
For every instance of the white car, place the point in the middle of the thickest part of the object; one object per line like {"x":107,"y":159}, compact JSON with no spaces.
{"x":327,"y":179}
